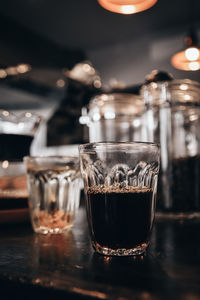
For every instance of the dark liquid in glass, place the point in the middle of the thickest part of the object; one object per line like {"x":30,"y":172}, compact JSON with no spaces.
{"x":13,"y":192}
{"x":184,"y":186}
{"x":13,"y":202}
{"x":14,"y":146}
{"x":120,"y":218}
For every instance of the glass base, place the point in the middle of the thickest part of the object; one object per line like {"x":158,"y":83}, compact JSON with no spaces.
{"x":56,"y":222}
{"x":45,"y":230}
{"x":120,"y":251}
{"x":177,"y":215}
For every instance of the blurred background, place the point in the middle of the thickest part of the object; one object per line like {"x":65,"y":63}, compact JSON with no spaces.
{"x":43,"y":41}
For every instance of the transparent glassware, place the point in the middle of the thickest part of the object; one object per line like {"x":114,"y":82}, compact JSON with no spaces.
{"x":114,"y":118}
{"x":54,"y":192}
{"x":120,"y":183}
{"x":172,"y":118}
{"x":17,"y":133}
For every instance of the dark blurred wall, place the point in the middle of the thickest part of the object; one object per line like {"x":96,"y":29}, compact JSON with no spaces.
{"x":132,"y":60}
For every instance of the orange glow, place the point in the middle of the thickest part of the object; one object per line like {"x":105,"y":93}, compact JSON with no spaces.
{"x":126,"y":6}
{"x":187,"y":60}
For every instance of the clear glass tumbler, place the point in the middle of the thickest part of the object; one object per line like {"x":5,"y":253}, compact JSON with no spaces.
{"x":54,"y":192}
{"x":120,"y":181}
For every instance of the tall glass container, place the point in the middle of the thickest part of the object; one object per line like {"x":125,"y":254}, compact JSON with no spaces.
{"x":172,"y":118}
{"x":114,"y":118}
{"x":17,"y":133}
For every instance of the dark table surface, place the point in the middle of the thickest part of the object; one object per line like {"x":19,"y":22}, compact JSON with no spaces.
{"x":65,"y":266}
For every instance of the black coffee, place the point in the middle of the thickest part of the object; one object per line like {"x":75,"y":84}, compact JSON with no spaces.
{"x":120,"y":218}
{"x":14,"y":146}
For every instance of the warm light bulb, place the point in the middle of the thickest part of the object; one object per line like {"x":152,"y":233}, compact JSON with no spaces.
{"x":127,"y":9}
{"x":126,"y":6}
{"x":192,"y":54}
{"x":187,"y":62}
{"x":194,"y":66}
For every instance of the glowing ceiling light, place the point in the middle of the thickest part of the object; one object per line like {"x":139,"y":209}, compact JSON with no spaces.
{"x":126,"y":6}
{"x":187,"y":62}
{"x":128,"y":9}
{"x":189,"y":58}
{"x":194,"y":66}
{"x":192,"y":53}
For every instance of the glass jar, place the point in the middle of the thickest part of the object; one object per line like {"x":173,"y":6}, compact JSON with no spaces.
{"x":17,"y":133}
{"x":114,"y":118}
{"x":172,"y":118}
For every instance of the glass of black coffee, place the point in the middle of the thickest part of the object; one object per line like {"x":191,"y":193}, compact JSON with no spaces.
{"x":120,"y":183}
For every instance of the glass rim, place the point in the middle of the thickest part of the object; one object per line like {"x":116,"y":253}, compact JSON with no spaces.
{"x":52,"y":157}
{"x":93,"y":146}
{"x":106,"y":97}
{"x":42,"y":163}
{"x":176,"y":82}
{"x":115,"y":98}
